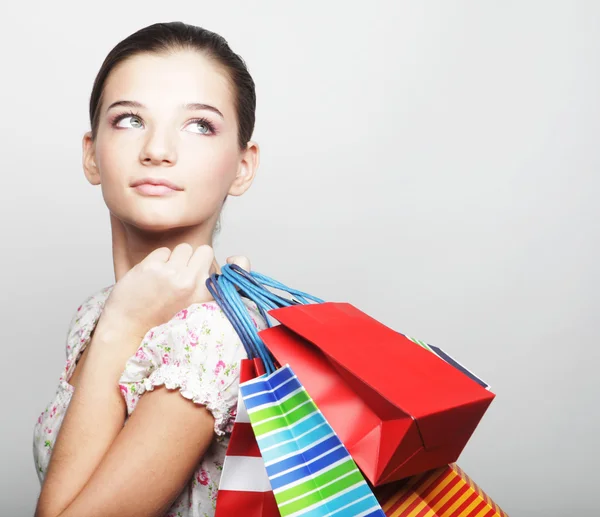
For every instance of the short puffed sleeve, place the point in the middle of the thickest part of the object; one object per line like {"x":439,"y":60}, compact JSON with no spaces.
{"x":198,"y":352}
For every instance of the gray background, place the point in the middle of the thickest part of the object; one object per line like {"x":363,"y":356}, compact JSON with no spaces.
{"x":433,"y":163}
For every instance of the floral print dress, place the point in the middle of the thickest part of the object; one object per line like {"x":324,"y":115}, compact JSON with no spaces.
{"x":197,"y":352}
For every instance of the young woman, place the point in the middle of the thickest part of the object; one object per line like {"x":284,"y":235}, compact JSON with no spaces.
{"x":147,"y":398}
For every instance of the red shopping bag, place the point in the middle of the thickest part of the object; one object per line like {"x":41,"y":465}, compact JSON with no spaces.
{"x":399,"y":409}
{"x":244,"y":488}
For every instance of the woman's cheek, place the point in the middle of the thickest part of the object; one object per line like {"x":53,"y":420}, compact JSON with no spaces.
{"x":218,"y":166}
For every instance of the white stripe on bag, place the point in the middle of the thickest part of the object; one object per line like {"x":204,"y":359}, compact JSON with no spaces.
{"x":244,"y":474}
{"x":242,"y":414}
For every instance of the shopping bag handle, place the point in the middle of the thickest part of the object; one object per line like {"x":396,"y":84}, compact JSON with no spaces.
{"x":230,"y":301}
{"x":257,"y":283}
{"x":228,"y":287}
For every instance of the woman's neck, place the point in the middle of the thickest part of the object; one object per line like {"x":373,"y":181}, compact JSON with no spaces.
{"x":131,"y":245}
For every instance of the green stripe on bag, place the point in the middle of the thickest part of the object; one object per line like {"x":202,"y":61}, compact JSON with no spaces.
{"x":322,"y":479}
{"x":280,"y":407}
{"x":322,"y":492}
{"x":278,"y":424}
{"x":419,"y":342}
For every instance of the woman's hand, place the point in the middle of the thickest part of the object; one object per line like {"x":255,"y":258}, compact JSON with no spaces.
{"x":161,"y":285}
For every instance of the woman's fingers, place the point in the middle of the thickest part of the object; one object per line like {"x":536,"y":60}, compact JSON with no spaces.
{"x":240,"y":260}
{"x":181,"y":255}
{"x":199,"y":263}
{"x":158,"y":255}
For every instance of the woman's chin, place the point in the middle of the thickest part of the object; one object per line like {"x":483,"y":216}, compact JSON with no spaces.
{"x":158,"y":219}
{"x":153,"y":223}
{"x":160,"y":226}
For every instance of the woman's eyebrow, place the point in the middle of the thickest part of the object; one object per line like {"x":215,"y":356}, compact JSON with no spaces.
{"x":191,"y":106}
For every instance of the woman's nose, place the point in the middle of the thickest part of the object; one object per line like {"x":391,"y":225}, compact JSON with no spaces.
{"x":158,"y":149}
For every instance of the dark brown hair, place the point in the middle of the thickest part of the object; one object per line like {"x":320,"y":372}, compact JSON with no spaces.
{"x":173,"y":36}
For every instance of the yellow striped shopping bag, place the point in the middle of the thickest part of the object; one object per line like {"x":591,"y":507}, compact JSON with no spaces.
{"x":444,"y":492}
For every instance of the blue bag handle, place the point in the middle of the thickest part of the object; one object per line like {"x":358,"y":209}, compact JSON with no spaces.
{"x":252,"y":286}
{"x":232,"y":305}
{"x":217,"y":294}
{"x":241,"y":276}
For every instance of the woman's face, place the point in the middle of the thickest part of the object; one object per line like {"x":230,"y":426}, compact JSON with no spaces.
{"x":176,"y":121}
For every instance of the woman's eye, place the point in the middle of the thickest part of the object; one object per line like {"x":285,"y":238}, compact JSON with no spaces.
{"x":200,"y":127}
{"x":135,"y":121}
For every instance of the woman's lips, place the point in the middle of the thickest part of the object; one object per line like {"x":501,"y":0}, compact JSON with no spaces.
{"x":147,"y":189}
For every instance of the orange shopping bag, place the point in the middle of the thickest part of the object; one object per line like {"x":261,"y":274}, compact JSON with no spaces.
{"x":444,"y":492}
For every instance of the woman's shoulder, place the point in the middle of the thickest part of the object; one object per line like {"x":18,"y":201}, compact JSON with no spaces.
{"x":197,"y":333}
{"x":210,"y":317}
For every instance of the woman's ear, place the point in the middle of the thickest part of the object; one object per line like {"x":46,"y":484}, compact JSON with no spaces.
{"x":89,"y":159}
{"x":248,"y":166}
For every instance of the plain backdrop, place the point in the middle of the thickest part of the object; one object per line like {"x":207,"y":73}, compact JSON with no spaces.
{"x":434,"y":163}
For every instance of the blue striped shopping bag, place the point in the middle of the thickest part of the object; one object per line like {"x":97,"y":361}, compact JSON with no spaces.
{"x":310,"y":471}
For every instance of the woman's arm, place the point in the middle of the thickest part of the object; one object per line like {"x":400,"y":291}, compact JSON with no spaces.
{"x":92,"y":439}
{"x":149,"y":462}
{"x":94,"y":418}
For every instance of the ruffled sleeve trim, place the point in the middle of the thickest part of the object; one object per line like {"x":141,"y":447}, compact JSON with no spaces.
{"x":186,"y":380}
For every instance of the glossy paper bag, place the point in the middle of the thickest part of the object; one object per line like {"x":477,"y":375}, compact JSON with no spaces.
{"x":399,"y":408}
